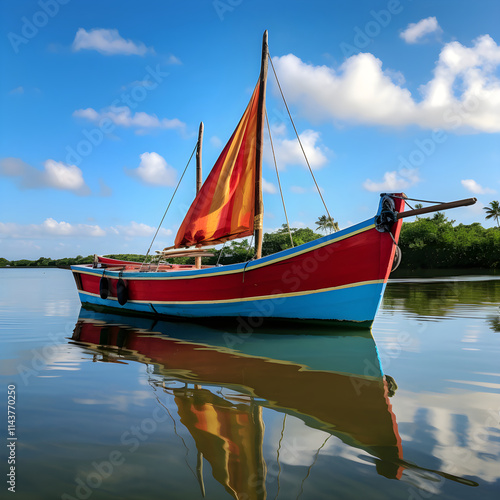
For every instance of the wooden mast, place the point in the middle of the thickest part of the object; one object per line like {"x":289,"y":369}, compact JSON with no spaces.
{"x":198,"y":158}
{"x":197,"y":260}
{"x":259,"y":206}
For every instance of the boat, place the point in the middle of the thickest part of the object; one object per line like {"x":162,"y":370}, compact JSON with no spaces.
{"x":340,"y":277}
{"x":330,"y":379}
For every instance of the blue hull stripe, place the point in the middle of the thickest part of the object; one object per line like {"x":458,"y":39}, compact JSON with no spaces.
{"x":355,"y":303}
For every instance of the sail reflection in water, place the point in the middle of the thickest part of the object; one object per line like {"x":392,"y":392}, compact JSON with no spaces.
{"x":221,"y":382}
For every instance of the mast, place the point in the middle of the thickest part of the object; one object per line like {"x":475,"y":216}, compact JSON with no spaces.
{"x":259,"y":206}
{"x":198,"y":158}
{"x":197,"y":260}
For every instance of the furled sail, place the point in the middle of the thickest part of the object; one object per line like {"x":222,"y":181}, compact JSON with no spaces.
{"x":224,"y":208}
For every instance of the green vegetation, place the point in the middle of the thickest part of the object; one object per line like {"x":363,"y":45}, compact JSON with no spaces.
{"x":240,"y":251}
{"x":280,"y":239}
{"x":493,"y":211}
{"x":327,"y":224}
{"x":46,"y":262}
{"x":131,"y":257}
{"x":435,"y":243}
{"x":427,"y":243}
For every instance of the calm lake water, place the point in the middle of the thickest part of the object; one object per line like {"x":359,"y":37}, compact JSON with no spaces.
{"x":112,"y":407}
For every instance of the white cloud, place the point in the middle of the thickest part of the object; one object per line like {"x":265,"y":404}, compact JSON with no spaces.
{"x":359,"y":92}
{"x":87,"y":114}
{"x":154,"y":170}
{"x":472,"y":186}
{"x":303,"y":190}
{"x":171,"y":59}
{"x":268,"y":187}
{"x":138,"y":229}
{"x":108,"y":42}
{"x":49,"y":228}
{"x":462,"y":96}
{"x":215,"y":142}
{"x":18,"y":90}
{"x":52,"y":227}
{"x":14,"y":167}
{"x":414,"y":32}
{"x":394,"y":181}
{"x":57,"y":175}
{"x":122,"y":116}
{"x":289,"y":152}
{"x":57,"y":239}
{"x":62,"y":176}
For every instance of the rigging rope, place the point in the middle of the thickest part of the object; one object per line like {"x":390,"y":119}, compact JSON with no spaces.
{"x":278,"y":456}
{"x":279,"y":182}
{"x":298,"y":138}
{"x":220,"y":253}
{"x":311,"y":466}
{"x":170,"y":202}
{"x":249,"y":248}
{"x":175,"y":426}
{"x":415,"y":199}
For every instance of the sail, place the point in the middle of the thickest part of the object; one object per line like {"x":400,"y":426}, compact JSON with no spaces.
{"x":230,"y":437}
{"x":224,"y":208}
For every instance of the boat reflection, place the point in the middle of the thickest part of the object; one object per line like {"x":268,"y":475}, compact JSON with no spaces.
{"x":333,"y":383}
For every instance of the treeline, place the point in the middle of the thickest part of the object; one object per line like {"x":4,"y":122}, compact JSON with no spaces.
{"x":47,"y":262}
{"x":233,"y":252}
{"x":68,"y":261}
{"x":426,"y":243}
{"x":436,"y":243}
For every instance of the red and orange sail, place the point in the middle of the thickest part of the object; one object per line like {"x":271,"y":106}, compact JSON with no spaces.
{"x":224,"y":208}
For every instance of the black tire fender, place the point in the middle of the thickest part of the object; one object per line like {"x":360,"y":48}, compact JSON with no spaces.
{"x":104,"y":288}
{"x":122,"y":292}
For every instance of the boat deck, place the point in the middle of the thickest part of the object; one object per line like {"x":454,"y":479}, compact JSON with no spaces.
{"x":136,"y":268}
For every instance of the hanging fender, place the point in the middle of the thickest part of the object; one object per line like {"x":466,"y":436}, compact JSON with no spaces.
{"x":122,"y":292}
{"x":104,"y":287}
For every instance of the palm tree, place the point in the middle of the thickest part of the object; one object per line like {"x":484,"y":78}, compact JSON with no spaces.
{"x":493,"y":211}
{"x":327,"y":224}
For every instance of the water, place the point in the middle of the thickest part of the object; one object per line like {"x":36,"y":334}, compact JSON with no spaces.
{"x":114,"y":407}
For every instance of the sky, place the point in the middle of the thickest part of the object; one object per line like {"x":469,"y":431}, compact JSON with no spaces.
{"x":100,"y":104}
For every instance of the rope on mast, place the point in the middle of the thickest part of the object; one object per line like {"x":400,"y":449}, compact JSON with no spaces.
{"x":298,"y":138}
{"x":279,"y":182}
{"x":170,"y":202}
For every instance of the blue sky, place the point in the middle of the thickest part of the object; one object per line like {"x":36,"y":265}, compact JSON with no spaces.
{"x":101,"y":102}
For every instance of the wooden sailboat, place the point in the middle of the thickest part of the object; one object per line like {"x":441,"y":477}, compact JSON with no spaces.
{"x":339,"y":277}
